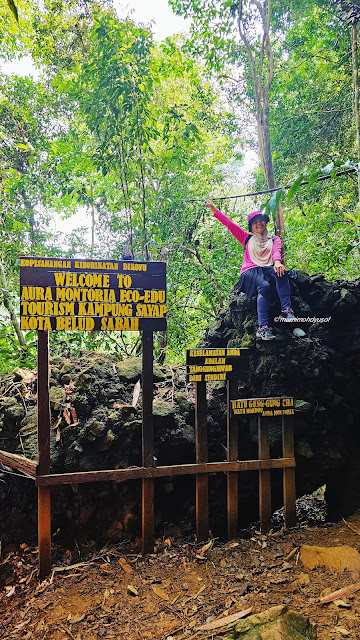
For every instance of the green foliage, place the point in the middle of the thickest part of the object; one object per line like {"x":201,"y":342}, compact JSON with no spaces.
{"x":11,"y":353}
{"x":137,"y":135}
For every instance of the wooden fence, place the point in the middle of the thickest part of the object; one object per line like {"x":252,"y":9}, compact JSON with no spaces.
{"x":40,"y":471}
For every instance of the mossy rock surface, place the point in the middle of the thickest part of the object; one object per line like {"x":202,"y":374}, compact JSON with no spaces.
{"x":129,"y":370}
{"x":277,"y":623}
{"x":162,"y":409}
{"x":56,"y":397}
{"x":12,"y":409}
{"x":182,"y":402}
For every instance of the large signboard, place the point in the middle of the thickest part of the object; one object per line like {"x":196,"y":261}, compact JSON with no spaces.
{"x":263,"y":406}
{"x":104,"y":295}
{"x":205,"y":365}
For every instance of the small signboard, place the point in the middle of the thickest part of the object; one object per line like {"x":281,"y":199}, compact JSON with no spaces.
{"x":263,"y":407}
{"x":102,"y":295}
{"x":205,"y":365}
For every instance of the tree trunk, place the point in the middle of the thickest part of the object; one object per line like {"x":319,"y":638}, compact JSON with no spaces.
{"x":262,"y":86}
{"x":356,"y":101}
{"x":10,"y":307}
{"x":92,"y":209}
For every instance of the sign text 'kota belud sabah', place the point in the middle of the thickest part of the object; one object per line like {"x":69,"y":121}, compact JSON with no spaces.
{"x":263,"y":406}
{"x":205,"y":365}
{"x":104,"y":295}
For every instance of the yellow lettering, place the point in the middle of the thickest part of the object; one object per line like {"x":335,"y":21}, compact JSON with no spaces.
{"x":32,"y":324}
{"x":124,"y":281}
{"x":59,"y":278}
{"x":193,"y":378}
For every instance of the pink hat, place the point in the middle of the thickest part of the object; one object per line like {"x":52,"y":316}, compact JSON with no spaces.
{"x":253,"y":214}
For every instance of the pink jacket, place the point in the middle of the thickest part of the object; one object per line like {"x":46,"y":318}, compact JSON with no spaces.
{"x":241,"y":235}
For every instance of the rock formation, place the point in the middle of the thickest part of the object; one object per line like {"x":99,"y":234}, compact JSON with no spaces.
{"x":96,"y":425}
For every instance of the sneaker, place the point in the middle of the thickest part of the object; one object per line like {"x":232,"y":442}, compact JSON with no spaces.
{"x":288,"y":314}
{"x":265,"y":333}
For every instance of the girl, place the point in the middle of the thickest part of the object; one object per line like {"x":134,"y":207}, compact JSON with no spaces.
{"x":261,"y":264}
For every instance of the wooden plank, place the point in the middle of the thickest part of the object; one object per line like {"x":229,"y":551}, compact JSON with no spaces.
{"x":44,"y":503}
{"x":289,"y":485}
{"x":147,"y":442}
{"x":148,"y":516}
{"x":19,"y":463}
{"x":123,"y":475}
{"x":44,"y":531}
{"x":232,"y":454}
{"x":201,"y":444}
{"x":264,"y":476}
{"x":43,"y":403}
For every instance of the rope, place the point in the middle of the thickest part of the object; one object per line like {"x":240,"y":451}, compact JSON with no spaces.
{"x":288,"y":186}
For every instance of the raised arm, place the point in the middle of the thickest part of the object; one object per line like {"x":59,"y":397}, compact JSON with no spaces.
{"x":234,"y":228}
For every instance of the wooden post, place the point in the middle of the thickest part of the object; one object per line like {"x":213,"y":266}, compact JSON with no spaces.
{"x":264,"y":477}
{"x":232,"y":454}
{"x":289,"y":488}
{"x":44,"y":499}
{"x":147,"y":442}
{"x":202,"y":492}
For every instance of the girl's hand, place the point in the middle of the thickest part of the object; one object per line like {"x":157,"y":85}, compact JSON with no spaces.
{"x":210,"y":205}
{"x":279,"y":268}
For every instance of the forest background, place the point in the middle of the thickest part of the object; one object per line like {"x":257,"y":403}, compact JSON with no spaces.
{"x":138,"y":134}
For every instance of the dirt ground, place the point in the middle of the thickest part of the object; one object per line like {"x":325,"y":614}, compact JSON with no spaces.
{"x":117,"y":593}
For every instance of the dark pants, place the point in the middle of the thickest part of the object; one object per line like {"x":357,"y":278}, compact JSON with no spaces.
{"x":264,"y":295}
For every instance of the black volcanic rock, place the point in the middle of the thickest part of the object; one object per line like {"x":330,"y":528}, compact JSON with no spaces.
{"x":319,"y":366}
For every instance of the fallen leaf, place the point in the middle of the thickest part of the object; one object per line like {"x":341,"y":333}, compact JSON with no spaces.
{"x":75,"y":620}
{"x":279,"y":580}
{"x":222,"y":563}
{"x":225,"y":621}
{"x":132,"y":590}
{"x":72,"y":566}
{"x":352,"y":527}
{"x":11,"y":591}
{"x":57,"y":423}
{"x":136,"y":393}
{"x":205,"y":548}
{"x":300,"y":581}
{"x":21,"y":625}
{"x":344,"y":632}
{"x":291,"y":554}
{"x":342,"y":603}
{"x":345,"y":591}
{"x":66,"y":414}
{"x":124,"y":565}
{"x":196,"y":594}
{"x":160,"y":592}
